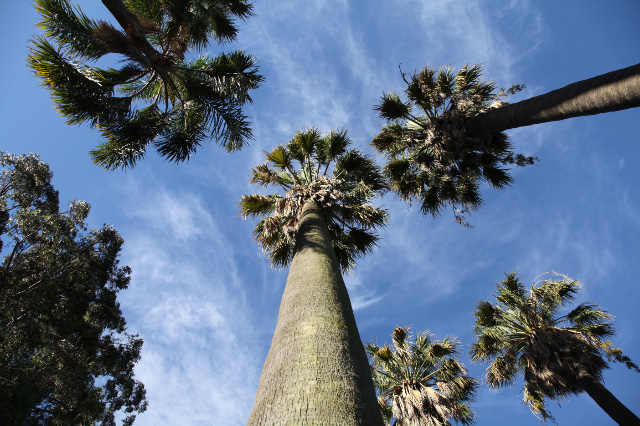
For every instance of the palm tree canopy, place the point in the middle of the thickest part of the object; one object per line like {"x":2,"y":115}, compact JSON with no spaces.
{"x":156,"y":95}
{"x":525,"y":333}
{"x":431,"y":157}
{"x":321,"y":169}
{"x":420,"y":382}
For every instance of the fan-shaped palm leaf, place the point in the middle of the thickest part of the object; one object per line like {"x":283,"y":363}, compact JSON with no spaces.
{"x":525,"y":334}
{"x":430,"y":155}
{"x":157,"y":97}
{"x":319,"y":168}
{"x":419,"y":382}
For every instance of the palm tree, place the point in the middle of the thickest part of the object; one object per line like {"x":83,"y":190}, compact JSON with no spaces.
{"x":613,"y":91}
{"x":441,"y":153}
{"x":157,"y":95}
{"x":420,"y":382}
{"x":559,"y":355}
{"x":430,"y":155}
{"x":316,"y":371}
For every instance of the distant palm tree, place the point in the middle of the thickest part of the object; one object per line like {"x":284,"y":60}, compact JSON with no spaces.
{"x":317,"y":370}
{"x":420,"y":383}
{"x":157,"y":95}
{"x":447,"y":137}
{"x":559,"y":355}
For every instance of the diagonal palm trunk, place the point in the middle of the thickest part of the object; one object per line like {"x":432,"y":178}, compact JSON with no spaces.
{"x":317,"y":372}
{"x":607,"y":401}
{"x":613,"y":91}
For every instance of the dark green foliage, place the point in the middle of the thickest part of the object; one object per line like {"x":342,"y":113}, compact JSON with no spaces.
{"x":430,"y":155}
{"x":65,"y":356}
{"x":311,"y":167}
{"x":157,"y":97}
{"x":420,"y":382}
{"x":525,"y":333}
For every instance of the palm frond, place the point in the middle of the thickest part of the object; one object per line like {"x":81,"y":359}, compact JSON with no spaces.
{"x":392,"y":107}
{"x":302,"y":167}
{"x":71,"y":28}
{"x":525,"y":334}
{"x":428,"y":130}
{"x":203,"y":99}
{"x":419,"y":381}
{"x":336,"y":145}
{"x":615,"y":354}
{"x":256,"y":205}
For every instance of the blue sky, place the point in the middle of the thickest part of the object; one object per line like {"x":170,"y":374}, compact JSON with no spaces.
{"x":203,"y":296}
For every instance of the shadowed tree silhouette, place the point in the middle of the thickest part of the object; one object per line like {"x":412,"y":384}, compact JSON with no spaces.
{"x":316,"y":371}
{"x":158,"y":95}
{"x":525,"y":334}
{"x":65,"y":355}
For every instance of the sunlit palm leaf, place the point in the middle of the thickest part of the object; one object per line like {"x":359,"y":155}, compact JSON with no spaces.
{"x":419,"y":382}
{"x":157,"y":98}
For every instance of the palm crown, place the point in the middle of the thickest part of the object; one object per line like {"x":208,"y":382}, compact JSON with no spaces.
{"x":157,"y":96}
{"x":525,"y":333}
{"x":312,"y":167}
{"x":430,"y":155}
{"x":420,"y":382}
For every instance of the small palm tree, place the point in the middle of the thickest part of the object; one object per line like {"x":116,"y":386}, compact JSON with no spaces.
{"x":430,"y":155}
{"x":524,"y":333}
{"x":316,"y":371}
{"x":420,"y":382}
{"x":157,"y":95}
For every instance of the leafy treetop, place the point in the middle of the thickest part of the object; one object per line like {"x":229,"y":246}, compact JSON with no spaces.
{"x":158,"y":95}
{"x":420,"y":382}
{"x":318,"y":168}
{"x":430,"y":155}
{"x":65,"y":356}
{"x":525,"y":333}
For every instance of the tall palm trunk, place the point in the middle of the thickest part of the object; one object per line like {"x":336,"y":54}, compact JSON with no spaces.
{"x":613,"y":91}
{"x":317,"y":371}
{"x":607,"y":401}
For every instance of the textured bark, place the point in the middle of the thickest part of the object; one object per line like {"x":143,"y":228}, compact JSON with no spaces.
{"x":607,"y":401}
{"x":613,"y":91}
{"x":317,"y":372}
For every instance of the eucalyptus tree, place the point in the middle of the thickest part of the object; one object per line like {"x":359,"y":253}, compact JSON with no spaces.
{"x":525,"y":333}
{"x":65,"y":355}
{"x":420,"y":382}
{"x":159,"y":94}
{"x":316,"y":372}
{"x":447,"y":137}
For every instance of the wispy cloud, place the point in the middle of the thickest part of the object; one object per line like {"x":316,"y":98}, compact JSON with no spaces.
{"x":187,"y":302}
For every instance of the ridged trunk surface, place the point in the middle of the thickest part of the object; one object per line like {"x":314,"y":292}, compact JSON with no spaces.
{"x":607,"y":401}
{"x":317,"y":372}
{"x":613,"y":91}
